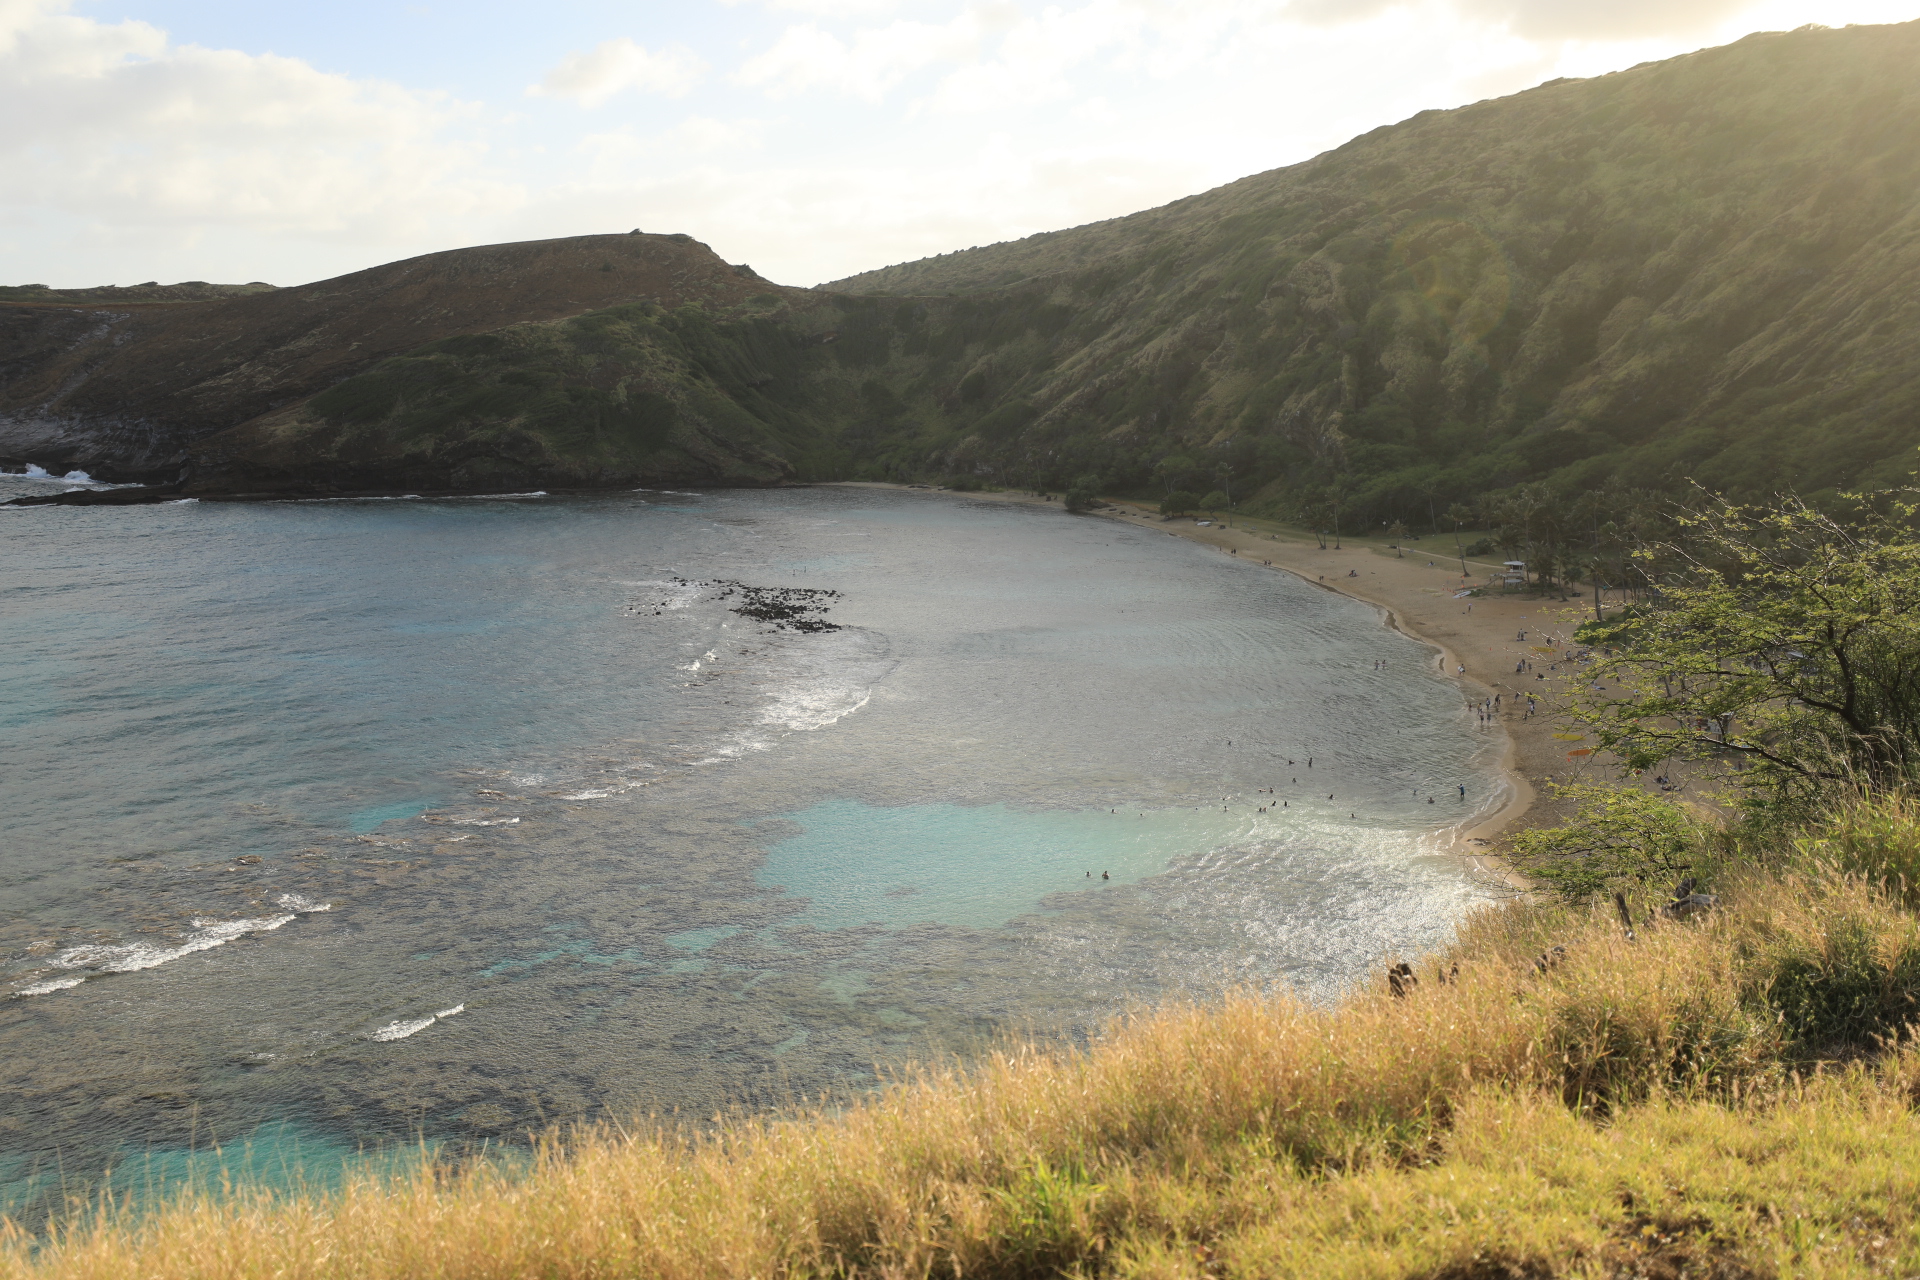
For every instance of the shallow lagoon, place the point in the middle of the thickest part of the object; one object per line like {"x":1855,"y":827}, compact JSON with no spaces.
{"x":658,"y":856}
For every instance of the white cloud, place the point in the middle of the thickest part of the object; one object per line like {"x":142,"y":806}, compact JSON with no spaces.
{"x":1614,"y":20}
{"x":113,"y":123}
{"x":128,"y":156}
{"x":832,"y":8}
{"x":615,"y":156}
{"x":876,"y":60}
{"x":614,"y":66}
{"x":803,"y":224}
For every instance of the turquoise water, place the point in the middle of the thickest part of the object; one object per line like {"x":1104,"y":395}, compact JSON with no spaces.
{"x":371,"y":820}
{"x":978,"y":866}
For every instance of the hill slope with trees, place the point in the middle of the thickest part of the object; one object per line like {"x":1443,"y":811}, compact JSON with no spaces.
{"x":1703,"y":268}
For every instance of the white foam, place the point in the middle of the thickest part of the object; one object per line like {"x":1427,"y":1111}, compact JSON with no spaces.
{"x":41,"y":473}
{"x":480,"y":497}
{"x":34,"y":472}
{"x":483,"y":822}
{"x":803,"y":709}
{"x":587,"y":795}
{"x":825,"y":680}
{"x":146,"y":955}
{"x":668,"y":595}
{"x":401,"y":1030}
{"x":404,"y":1027}
{"x":99,"y":958}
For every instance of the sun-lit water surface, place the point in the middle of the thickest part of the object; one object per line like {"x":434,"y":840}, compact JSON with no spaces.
{"x":361,"y":820}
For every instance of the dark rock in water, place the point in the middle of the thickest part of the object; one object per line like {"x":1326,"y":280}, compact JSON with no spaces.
{"x":99,"y":497}
{"x":781,"y":608}
{"x":786,"y":608}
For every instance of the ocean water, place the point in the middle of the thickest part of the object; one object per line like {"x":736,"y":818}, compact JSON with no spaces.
{"x":335,"y":825}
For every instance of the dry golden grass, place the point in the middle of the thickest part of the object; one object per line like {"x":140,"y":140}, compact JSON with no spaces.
{"x":1635,"y":1108}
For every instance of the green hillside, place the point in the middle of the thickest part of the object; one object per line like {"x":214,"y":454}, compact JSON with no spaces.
{"x":1706,"y":268}
{"x":1703,"y":267}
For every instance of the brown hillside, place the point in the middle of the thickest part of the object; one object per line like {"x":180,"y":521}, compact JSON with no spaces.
{"x":139,"y":385}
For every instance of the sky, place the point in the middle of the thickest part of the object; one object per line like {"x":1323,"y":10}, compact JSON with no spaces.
{"x":238,"y":140}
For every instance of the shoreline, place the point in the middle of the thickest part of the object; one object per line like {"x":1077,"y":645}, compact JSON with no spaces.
{"x":1475,"y":639}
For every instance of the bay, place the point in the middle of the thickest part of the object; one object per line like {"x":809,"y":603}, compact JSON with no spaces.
{"x":336,"y":824}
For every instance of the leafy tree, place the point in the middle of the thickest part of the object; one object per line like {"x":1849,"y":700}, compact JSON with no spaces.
{"x":1175,"y":472}
{"x":1616,"y":837}
{"x":1781,"y":643}
{"x":1214,"y":501}
{"x":1084,"y":493}
{"x":1178,"y":503}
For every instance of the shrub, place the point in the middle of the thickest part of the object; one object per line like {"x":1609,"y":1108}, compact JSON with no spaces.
{"x":1619,"y":837}
{"x":1876,"y":840}
{"x":1084,"y":493}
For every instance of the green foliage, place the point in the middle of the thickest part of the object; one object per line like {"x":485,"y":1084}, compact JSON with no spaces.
{"x":631,"y":390}
{"x":1047,"y":1217}
{"x":1618,"y":837}
{"x":1853,"y":980}
{"x":1178,"y":503}
{"x":1175,"y":472}
{"x":1214,"y":501}
{"x":1874,"y":839}
{"x":1083,"y":494}
{"x":1784,"y":646}
{"x":1007,"y":421}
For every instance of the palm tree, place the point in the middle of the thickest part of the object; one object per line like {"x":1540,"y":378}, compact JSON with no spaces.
{"x":1459,"y":515}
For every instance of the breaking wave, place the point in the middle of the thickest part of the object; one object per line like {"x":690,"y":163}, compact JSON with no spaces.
{"x":93,"y":960}
{"x":34,"y":472}
{"x":404,"y":1027}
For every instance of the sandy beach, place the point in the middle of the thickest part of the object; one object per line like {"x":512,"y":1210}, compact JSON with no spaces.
{"x":1479,"y":639}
